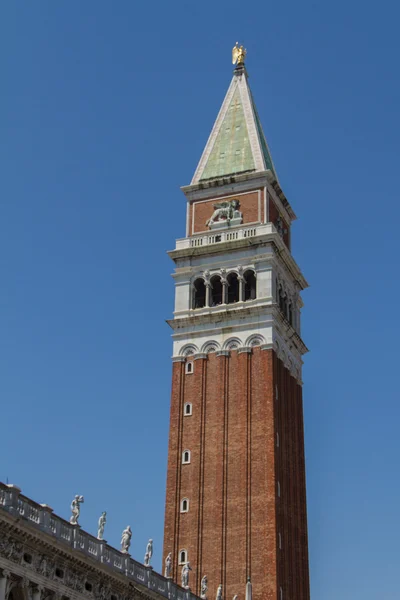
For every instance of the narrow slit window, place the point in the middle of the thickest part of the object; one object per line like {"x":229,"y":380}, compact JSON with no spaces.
{"x":279,"y":489}
{"x":189,"y":368}
{"x":184,"y":505}
{"x":183,"y":557}
{"x":188,"y":409}
{"x":186,"y":457}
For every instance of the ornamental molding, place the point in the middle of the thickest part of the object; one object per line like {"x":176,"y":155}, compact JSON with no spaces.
{"x":285,"y":351}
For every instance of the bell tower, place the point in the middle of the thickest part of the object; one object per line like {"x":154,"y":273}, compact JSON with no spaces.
{"x":236,"y":492}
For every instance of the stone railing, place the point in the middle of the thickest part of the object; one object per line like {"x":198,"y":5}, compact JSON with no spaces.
{"x":224,"y":235}
{"x":42,"y":517}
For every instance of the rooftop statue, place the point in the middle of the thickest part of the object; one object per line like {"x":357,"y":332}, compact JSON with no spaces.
{"x":219,"y":592}
{"x":204,"y":587}
{"x":76,"y":509}
{"x":185,"y":575}
{"x":126,"y":540}
{"x":238,"y":54}
{"x":149,"y":553}
{"x":168,"y":566}
{"x":101,"y":525}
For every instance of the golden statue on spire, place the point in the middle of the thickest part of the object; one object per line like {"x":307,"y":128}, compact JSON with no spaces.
{"x":238,"y":54}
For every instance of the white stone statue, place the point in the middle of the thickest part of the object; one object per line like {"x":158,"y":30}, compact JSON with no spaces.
{"x":219,"y":593}
{"x":225,"y":211}
{"x":168,"y":566}
{"x":185,"y":575}
{"x":76,"y":509}
{"x":101,"y":525}
{"x":126,"y":540}
{"x":235,"y":597}
{"x":149,"y":553}
{"x":204,"y":587}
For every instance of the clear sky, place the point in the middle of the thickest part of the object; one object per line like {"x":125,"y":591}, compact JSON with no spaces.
{"x":105,"y":109}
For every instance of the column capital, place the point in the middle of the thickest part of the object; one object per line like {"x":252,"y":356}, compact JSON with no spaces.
{"x":223,"y":353}
{"x":180,"y":359}
{"x":200,"y":355}
{"x":245,"y":349}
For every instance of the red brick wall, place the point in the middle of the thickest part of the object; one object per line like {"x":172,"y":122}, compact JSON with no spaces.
{"x":231,"y":530}
{"x":249,"y":206}
{"x":273,"y":216}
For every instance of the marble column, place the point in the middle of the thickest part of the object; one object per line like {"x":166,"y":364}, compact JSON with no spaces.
{"x":208,"y":290}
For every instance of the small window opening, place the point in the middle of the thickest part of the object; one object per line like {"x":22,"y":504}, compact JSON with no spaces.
{"x":28,"y":558}
{"x":59,"y":573}
{"x":88,"y":587}
{"x":188,"y":409}
{"x":250,"y":285}
{"x":189,"y":368}
{"x":233,"y":288}
{"x":216,"y":290}
{"x":277,"y":439}
{"x":186,"y":457}
{"x":185,"y":505}
{"x":290,"y":313}
{"x":279,"y":490}
{"x":280,"y":541}
{"x":199,"y":293}
{"x":183,"y":557}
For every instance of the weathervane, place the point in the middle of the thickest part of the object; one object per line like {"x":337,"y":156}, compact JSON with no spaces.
{"x":238,"y":54}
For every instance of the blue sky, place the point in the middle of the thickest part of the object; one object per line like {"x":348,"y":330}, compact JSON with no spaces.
{"x":105,"y":109}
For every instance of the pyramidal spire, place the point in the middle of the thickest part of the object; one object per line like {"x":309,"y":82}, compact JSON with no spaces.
{"x":237,"y":143}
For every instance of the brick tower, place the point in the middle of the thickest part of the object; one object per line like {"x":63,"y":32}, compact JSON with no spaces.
{"x":236,"y":495}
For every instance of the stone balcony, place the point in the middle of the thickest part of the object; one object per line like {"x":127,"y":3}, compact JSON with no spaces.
{"x":219,"y":236}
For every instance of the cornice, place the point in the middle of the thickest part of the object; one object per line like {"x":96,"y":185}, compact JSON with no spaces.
{"x":218,"y":319}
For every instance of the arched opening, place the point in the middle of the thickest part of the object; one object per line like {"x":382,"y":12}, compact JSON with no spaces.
{"x":186,"y":457}
{"x":216,"y":290}
{"x":182,"y":557}
{"x":188,"y":409}
{"x":189,"y":368}
{"x":233,"y":288}
{"x":185,"y":505}
{"x":199,"y":293}
{"x":250,"y":292}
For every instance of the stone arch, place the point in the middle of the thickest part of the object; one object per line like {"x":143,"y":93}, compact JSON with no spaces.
{"x":210,"y":346}
{"x":255,"y":340}
{"x":188,"y":350}
{"x":232,"y":344}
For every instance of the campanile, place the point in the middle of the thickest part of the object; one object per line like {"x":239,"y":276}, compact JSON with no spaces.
{"x":236,"y":494}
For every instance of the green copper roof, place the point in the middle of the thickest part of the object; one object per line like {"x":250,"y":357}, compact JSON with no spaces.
{"x":237,"y":143}
{"x":264,"y":147}
{"x":231,"y":152}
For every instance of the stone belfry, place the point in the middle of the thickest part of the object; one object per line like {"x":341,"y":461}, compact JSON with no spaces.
{"x":236,"y":492}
